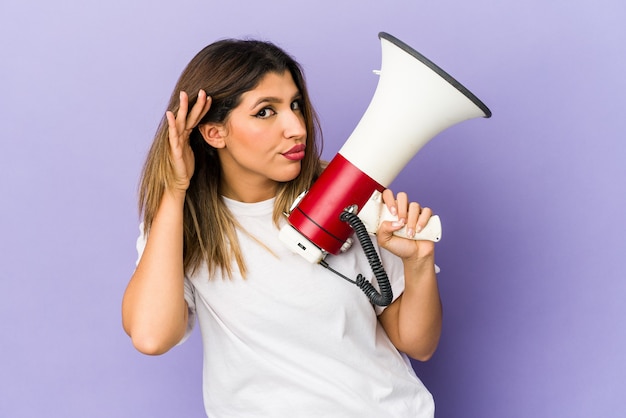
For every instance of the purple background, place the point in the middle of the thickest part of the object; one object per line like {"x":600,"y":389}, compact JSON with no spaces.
{"x":532,"y":200}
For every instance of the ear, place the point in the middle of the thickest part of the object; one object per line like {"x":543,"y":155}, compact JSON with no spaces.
{"x":213,"y":134}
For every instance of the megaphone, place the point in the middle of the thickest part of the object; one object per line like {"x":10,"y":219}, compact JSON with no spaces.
{"x":413,"y":102}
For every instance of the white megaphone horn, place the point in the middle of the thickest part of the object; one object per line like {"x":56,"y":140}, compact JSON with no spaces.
{"x":413,"y":102}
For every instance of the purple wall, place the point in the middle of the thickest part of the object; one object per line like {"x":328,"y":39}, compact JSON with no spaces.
{"x":532,"y":200}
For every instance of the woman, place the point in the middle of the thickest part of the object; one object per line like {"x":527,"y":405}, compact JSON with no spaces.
{"x":281,"y":336}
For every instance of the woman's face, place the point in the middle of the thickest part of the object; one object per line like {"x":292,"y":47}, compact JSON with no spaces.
{"x":264,"y":139}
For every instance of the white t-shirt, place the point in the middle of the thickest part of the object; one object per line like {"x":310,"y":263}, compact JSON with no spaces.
{"x":293,"y":339}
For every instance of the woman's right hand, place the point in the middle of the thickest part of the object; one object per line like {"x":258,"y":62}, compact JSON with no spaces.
{"x":180,"y":127}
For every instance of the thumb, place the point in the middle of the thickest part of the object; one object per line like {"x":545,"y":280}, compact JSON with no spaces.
{"x":387,"y":228}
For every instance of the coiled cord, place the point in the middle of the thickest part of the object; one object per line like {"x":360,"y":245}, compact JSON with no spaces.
{"x":385,"y":296}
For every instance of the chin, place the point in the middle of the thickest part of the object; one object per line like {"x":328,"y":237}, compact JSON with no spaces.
{"x":288,"y":175}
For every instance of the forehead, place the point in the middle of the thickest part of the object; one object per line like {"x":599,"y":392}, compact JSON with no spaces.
{"x":274,"y":85}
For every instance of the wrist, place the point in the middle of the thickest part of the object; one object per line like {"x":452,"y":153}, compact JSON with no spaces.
{"x":175,"y":194}
{"x":420,"y":262}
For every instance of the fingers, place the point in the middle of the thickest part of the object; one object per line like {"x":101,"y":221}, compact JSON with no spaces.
{"x":181,"y":115}
{"x":199,"y":109}
{"x":396,"y":205}
{"x":187,"y":120}
{"x":176,"y":124}
{"x":414,"y":213}
{"x":423,"y":218}
{"x":171,"y":125}
{"x":390,"y":201}
{"x":181,"y":125}
{"x":411,"y":214}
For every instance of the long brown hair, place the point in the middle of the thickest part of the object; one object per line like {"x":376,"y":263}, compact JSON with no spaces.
{"x":225,"y":70}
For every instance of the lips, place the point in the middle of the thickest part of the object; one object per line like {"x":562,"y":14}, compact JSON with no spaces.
{"x":296,"y":153}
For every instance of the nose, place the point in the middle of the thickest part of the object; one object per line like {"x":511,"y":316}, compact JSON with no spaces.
{"x":293,"y":125}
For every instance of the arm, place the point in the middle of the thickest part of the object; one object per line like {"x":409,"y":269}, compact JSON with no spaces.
{"x":154,"y":311}
{"x":413,"y":320}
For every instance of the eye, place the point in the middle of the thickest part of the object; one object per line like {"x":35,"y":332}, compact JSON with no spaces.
{"x":265,"y":113}
{"x":296,"y":104}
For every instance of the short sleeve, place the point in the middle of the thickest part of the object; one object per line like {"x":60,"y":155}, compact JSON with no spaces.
{"x":141,"y":243}
{"x":189,"y":289}
{"x":395,"y":273}
{"x":191,"y":307}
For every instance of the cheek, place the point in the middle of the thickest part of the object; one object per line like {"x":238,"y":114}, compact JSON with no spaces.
{"x":243,"y":137}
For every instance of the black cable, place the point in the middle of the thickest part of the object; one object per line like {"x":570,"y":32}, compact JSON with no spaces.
{"x":385,"y":296}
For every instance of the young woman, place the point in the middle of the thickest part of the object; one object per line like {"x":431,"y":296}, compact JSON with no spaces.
{"x":282,"y":337}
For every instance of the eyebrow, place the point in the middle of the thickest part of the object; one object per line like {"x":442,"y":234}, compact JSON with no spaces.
{"x":271,"y":99}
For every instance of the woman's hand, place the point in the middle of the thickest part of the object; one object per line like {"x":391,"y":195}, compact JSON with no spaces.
{"x":180,"y":127}
{"x":413,"y":320}
{"x":415,"y":218}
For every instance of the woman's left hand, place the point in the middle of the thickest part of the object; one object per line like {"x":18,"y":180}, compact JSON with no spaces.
{"x":414,"y":217}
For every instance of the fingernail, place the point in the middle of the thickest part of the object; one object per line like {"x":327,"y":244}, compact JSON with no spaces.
{"x":399,"y":222}
{"x":410,"y":232}
{"x":418,"y":228}
{"x":393,"y":210}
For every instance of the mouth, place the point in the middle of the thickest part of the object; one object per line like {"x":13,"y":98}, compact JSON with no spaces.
{"x":296,"y":153}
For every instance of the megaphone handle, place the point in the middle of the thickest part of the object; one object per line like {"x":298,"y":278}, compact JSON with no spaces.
{"x":375,"y":212}
{"x":431,"y":232}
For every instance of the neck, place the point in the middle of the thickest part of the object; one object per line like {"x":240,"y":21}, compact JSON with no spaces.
{"x":249,"y":193}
